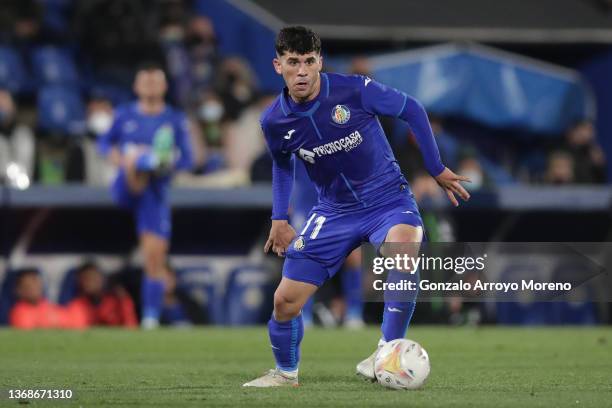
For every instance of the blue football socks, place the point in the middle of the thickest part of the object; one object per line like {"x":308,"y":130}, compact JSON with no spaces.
{"x":152,"y":297}
{"x":285,"y":339}
{"x":399,"y":307}
{"x":351,"y":288}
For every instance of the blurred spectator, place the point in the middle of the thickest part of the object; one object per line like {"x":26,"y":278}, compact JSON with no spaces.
{"x":360,"y":65}
{"x":99,"y":120}
{"x":33,"y":311}
{"x":469,"y":166}
{"x":210,"y":133}
{"x":447,"y":143}
{"x":201,"y":45}
{"x":20,"y":21}
{"x":17,"y":147}
{"x":428,"y":194}
{"x":236,"y":86}
{"x":57,"y":18}
{"x":61,"y":125}
{"x":245,"y":140}
{"x":117,"y":35}
{"x":104,"y":304}
{"x":223,"y":149}
{"x":191,"y":55}
{"x":210,"y":112}
{"x":179,"y":308}
{"x":560,"y":168}
{"x":589,"y":160}
{"x":99,"y":116}
{"x":260,"y":169}
{"x":426,"y":189}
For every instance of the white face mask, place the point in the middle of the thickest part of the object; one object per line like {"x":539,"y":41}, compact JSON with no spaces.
{"x":475,"y":176}
{"x":211,"y":111}
{"x":99,"y":122}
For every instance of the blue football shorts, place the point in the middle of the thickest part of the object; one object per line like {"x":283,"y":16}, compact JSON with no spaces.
{"x":151,"y":208}
{"x":328,"y":237}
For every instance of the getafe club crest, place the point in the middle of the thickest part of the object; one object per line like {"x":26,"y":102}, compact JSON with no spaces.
{"x":341,"y":114}
{"x":299,"y":243}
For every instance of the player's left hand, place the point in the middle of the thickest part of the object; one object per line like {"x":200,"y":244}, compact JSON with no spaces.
{"x":449,"y":181}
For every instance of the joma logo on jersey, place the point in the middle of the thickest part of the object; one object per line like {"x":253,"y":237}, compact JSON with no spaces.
{"x":346,"y":144}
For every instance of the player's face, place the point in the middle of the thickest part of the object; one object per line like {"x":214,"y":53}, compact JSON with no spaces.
{"x":150,"y":84}
{"x":300,"y":72}
{"x":30,"y":288}
{"x":91,"y":282}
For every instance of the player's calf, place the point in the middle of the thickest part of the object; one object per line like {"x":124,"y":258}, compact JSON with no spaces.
{"x":154,"y":250}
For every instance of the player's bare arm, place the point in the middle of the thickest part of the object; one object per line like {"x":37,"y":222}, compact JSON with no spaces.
{"x":281,"y":235}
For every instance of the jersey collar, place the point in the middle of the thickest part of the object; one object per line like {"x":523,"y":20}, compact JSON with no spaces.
{"x":323,"y":94}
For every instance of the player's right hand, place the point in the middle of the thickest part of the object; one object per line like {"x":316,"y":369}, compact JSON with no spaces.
{"x":281,"y":235}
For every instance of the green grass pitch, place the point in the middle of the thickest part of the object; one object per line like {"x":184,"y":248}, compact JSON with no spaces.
{"x":482,"y":367}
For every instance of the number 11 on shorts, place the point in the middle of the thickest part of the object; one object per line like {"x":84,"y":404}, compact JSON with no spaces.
{"x":318,"y":225}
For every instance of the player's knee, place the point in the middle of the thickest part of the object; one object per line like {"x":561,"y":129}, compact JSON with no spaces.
{"x":154,"y":258}
{"x":354,"y":259}
{"x":405,"y":233}
{"x":284,"y":307}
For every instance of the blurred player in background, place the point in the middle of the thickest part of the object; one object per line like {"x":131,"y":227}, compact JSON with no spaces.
{"x":148,"y":142}
{"x":329,"y":121}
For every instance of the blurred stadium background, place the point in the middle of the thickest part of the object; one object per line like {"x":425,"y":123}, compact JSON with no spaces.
{"x":519,"y":94}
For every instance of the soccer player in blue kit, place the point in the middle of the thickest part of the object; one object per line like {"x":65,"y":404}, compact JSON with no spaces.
{"x":148,"y":141}
{"x":329,"y":121}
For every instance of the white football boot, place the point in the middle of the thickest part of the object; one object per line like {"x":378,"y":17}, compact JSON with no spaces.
{"x":365,"y":368}
{"x":274,"y":378}
{"x":149,"y":323}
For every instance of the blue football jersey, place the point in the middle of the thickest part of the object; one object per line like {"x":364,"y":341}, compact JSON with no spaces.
{"x":132,"y":129}
{"x":304,"y":195}
{"x":340,"y":140}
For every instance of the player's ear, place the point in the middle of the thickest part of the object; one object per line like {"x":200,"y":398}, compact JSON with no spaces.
{"x":277,"y":65}
{"x":136,"y":86}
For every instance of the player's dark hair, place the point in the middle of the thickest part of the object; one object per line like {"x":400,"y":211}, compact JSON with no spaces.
{"x":297,"y":39}
{"x":151,"y":66}
{"x":85,"y":266}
